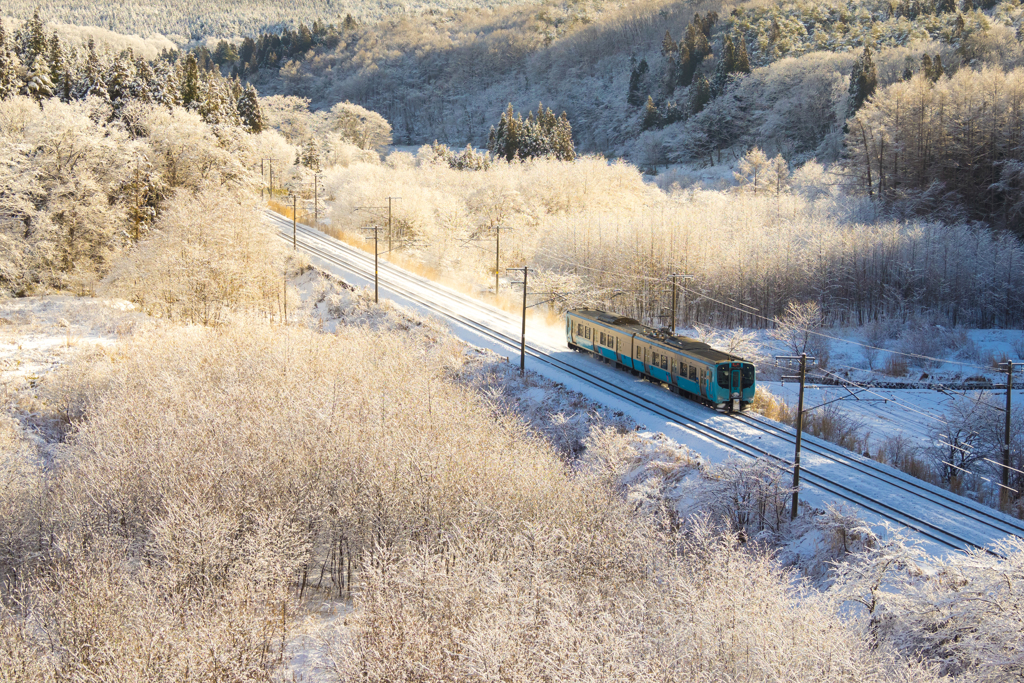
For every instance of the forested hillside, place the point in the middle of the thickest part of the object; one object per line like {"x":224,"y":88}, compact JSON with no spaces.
{"x":186,"y":20}
{"x":669,"y":82}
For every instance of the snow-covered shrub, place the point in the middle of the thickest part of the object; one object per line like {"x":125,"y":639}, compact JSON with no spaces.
{"x":211,"y":253}
{"x":833,"y":424}
{"x":753,"y":496}
{"x":605,"y":595}
{"x":961,"y":610}
{"x":21,"y":492}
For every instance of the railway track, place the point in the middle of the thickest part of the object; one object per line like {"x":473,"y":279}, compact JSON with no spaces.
{"x":910,"y":503}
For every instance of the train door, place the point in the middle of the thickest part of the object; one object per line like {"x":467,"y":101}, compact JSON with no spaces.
{"x":734,"y":386}
{"x":703,"y":382}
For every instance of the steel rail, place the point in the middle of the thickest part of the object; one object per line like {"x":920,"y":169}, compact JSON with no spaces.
{"x":311,"y":237}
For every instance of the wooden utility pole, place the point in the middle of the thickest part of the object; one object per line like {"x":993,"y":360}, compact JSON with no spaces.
{"x":522,"y":340}
{"x":1004,"y":490}
{"x":803,"y":358}
{"x":376,"y":256}
{"x":295,"y":209}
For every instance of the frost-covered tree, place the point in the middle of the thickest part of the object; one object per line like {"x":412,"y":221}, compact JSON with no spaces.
{"x":776,"y":176}
{"x":364,"y":128}
{"x":753,"y":168}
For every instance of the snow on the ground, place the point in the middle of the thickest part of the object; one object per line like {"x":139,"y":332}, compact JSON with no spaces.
{"x":431,"y":300}
{"x":40,"y":333}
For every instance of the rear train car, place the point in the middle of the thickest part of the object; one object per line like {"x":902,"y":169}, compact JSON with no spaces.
{"x":688,"y":366}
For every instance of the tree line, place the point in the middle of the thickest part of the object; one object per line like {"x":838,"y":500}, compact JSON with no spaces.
{"x":38,"y":64}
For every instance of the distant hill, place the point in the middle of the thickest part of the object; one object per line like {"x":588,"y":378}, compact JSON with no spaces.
{"x":197,"y":19}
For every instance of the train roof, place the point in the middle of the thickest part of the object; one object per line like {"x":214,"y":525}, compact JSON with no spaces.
{"x":631,"y":326}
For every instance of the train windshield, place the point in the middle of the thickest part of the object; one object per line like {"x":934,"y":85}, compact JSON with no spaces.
{"x":725,"y":375}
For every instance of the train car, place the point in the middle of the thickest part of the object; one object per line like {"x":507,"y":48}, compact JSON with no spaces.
{"x":688,"y":366}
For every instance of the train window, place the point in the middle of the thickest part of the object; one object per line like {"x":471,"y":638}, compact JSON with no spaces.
{"x":579,"y":329}
{"x":723,"y":376}
{"x":664,"y":362}
{"x":747,"y":375}
{"x":654,"y":358}
{"x":602,"y":339}
{"x":693,"y":373}
{"x":638,"y":352}
{"x":588,"y":333}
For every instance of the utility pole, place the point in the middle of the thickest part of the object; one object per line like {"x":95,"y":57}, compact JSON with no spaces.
{"x":376,"y":256}
{"x":270,"y":163}
{"x":803,"y":358}
{"x":1004,"y":490}
{"x":674,"y":290}
{"x":295,"y":207}
{"x":522,"y":340}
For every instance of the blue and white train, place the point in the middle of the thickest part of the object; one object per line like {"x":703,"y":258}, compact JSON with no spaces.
{"x":689,"y":367}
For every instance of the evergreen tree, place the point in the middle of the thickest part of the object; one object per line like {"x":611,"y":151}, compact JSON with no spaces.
{"x":310,"y":155}
{"x":562,"y":143}
{"x":727,"y":63}
{"x":863,"y":81}
{"x":652,"y":117}
{"x":700,"y":94}
{"x":8,"y":67}
{"x":141,"y":87}
{"x":165,"y":87}
{"x":39,"y":86}
{"x":190,"y":85}
{"x":707,"y":23}
{"x":119,"y":78}
{"x":249,"y":111}
{"x":58,"y":63}
{"x":686,"y":67}
{"x":91,"y":80}
{"x":741,"y":60}
{"x":637,"y":84}
{"x":668,"y":46}
{"x":36,"y":43}
{"x":539,"y":135}
{"x":506,"y":139}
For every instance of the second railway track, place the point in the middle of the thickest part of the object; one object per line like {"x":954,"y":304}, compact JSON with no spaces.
{"x":916,"y":497}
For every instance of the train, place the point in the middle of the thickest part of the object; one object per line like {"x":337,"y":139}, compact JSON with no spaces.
{"x":688,"y":366}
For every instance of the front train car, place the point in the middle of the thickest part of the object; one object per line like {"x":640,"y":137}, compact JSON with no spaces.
{"x":734,"y":384}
